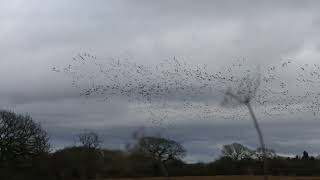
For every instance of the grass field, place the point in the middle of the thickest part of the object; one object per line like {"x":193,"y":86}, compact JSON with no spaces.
{"x":227,"y":178}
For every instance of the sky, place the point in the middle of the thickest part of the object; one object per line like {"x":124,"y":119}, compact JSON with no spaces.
{"x":38,"y":35}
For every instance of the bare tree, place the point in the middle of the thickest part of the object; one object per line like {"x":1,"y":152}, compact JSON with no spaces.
{"x":236,"y":151}
{"x":90,"y":140}
{"x":269,"y":153}
{"x":161,"y":149}
{"x":21,"y":139}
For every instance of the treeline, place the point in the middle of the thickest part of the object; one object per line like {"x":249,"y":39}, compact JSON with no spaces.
{"x":25,"y":154}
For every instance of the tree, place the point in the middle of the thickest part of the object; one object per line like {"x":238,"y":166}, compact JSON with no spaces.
{"x":269,"y":153}
{"x":83,"y":161}
{"x":22,"y":141}
{"x":305,"y":155}
{"x":77,"y":162}
{"x":236,"y":151}
{"x":90,"y":140}
{"x":21,"y":137}
{"x":160,"y":149}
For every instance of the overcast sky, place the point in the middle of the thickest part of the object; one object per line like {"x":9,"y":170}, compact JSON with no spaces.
{"x":36,"y":35}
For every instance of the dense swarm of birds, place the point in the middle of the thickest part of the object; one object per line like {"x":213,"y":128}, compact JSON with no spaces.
{"x":174,"y":89}
{"x":295,"y":88}
{"x":192,"y":91}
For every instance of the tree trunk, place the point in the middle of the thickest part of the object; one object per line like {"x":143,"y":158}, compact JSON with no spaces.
{"x":165,"y":170}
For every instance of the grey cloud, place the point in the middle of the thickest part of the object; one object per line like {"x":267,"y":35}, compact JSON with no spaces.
{"x":37,"y":35}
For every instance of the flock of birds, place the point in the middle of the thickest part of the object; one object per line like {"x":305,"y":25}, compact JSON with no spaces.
{"x":295,"y":88}
{"x":176,"y":88}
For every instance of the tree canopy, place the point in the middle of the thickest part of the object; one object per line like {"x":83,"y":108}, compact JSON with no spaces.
{"x":22,"y":141}
{"x":20,"y":137}
{"x":161,"y":148}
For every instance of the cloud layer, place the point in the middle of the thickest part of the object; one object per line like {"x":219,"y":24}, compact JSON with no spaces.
{"x":37,"y":35}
